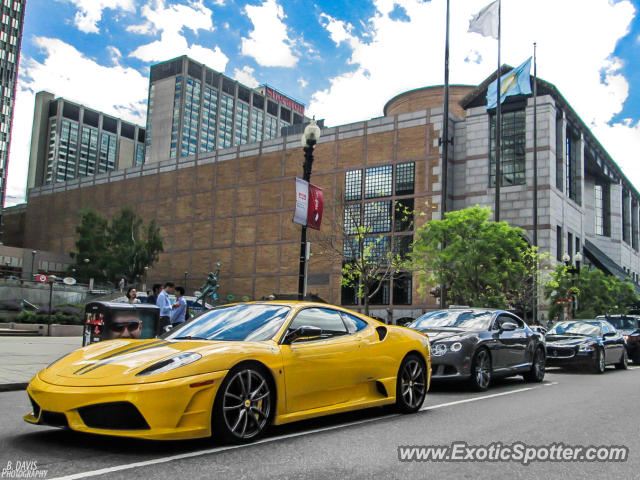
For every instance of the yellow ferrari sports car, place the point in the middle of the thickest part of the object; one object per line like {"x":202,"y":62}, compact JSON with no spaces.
{"x":233,"y":371}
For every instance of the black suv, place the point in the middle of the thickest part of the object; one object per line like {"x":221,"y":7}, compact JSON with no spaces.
{"x":629,"y":328}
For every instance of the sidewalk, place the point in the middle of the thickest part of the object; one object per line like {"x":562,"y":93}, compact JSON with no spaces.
{"x":22,"y":357}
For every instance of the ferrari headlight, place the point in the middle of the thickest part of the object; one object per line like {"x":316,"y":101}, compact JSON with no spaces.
{"x":585,"y":347}
{"x":455,"y":347}
{"x":176,"y":361}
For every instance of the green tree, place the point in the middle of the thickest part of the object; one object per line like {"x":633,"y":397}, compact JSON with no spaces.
{"x":597,"y":293}
{"x":481,"y":262}
{"x":118,"y":248}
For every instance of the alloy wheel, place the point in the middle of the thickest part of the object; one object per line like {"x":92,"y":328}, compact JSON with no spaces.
{"x":482,"y":370}
{"x":412,"y":384}
{"x":246,"y":404}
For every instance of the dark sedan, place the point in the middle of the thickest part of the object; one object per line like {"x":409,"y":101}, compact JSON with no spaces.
{"x":479,"y":344}
{"x":588,"y":343}
{"x":629,"y":327}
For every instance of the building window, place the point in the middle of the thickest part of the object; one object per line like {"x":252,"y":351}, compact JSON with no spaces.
{"x":381,"y":297}
{"x":572,"y":165}
{"x":559,"y":239}
{"x":209,"y":120}
{"x":625,"y":216}
{"x":377,"y":217}
{"x":225,"y":129}
{"x":402,"y":245}
{"x":349,"y":294}
{"x":405,"y":178}
{"x":257,"y":123}
{"x":352,"y":218}
{"x":271,"y":127}
{"x":378,"y":181}
{"x":190,"y":118}
{"x":512,"y":155}
{"x":599,"y":208}
{"x":353,"y":185}
{"x":634,"y":224}
{"x":559,"y":151}
{"x":242,"y":124}
{"x":402,"y":285}
{"x":403,"y":215}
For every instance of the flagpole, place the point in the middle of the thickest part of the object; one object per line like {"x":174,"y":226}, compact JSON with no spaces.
{"x":498,"y":125}
{"x":445,"y":143}
{"x":535,"y":182}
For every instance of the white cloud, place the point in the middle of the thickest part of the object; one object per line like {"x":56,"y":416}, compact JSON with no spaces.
{"x":268,"y":43}
{"x":90,"y":12}
{"x":246,"y":76}
{"x":302,"y":82}
{"x":169,"y":22}
{"x":67,"y":73}
{"x":575,"y":53}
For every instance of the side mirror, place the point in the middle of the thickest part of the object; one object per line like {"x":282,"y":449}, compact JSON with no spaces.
{"x":306,"y":332}
{"x":609,"y":334}
{"x":508,"y":327}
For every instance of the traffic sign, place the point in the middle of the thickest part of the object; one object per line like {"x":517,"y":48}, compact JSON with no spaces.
{"x":41,"y":278}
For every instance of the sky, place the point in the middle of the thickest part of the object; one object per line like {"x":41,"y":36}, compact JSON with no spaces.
{"x":342,"y":59}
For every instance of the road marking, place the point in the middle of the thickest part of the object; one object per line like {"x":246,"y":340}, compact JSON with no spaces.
{"x":199,"y":453}
{"x":484,"y":397}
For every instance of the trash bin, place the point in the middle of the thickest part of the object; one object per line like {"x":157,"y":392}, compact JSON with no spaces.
{"x":110,"y":320}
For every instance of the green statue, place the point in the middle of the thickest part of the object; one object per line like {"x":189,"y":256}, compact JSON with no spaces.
{"x":210,"y":288}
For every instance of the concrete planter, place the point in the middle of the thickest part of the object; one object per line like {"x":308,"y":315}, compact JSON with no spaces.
{"x":41,"y":328}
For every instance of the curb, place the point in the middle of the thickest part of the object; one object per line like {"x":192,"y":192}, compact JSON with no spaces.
{"x":12,"y":387}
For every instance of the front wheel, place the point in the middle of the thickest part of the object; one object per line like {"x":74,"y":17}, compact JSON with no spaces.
{"x":481,"y":370}
{"x":598,"y":361}
{"x":244,"y":405}
{"x":624,"y":361}
{"x":536,"y":374}
{"x":411,"y":385}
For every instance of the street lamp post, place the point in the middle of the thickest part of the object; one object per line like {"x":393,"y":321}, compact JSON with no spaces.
{"x":144,"y":285}
{"x":51,"y":279}
{"x":309,"y":140}
{"x":33,"y":261}
{"x":574,"y":270}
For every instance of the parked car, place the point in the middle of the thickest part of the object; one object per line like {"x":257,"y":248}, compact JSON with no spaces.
{"x":629,"y":328}
{"x":586,"y":343}
{"x":232,"y":372}
{"x":479,"y":344}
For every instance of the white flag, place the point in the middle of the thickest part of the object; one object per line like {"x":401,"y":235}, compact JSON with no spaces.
{"x":485,"y":22}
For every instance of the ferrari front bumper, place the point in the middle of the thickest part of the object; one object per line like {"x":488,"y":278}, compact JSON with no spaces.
{"x":169,"y":410}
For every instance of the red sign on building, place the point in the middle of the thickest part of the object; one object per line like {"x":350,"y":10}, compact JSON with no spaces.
{"x":278,"y":97}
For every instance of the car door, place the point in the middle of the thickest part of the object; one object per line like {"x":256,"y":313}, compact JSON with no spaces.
{"x":513,"y":344}
{"x":323,"y":371}
{"x":613,"y":345}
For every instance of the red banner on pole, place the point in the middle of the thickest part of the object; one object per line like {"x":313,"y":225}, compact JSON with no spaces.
{"x":314,"y":212}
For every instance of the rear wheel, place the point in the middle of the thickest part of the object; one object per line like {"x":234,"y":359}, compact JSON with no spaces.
{"x":624,"y":361}
{"x":244,"y":404}
{"x":411,"y":385}
{"x":536,"y":374}
{"x":481,"y":370}
{"x":598,"y":361}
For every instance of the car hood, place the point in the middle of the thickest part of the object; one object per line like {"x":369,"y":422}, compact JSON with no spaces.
{"x":568,"y":340}
{"x":116,"y":362}
{"x":439,"y":335}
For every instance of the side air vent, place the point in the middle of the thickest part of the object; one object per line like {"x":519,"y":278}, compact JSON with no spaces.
{"x":382,"y":332}
{"x":54,"y":419}
{"x":381,"y":390}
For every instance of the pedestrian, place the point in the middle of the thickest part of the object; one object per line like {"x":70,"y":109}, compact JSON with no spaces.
{"x":132,"y":296}
{"x":179,"y":308}
{"x":165,"y":306}
{"x":153,"y":298}
{"x":121,"y":284}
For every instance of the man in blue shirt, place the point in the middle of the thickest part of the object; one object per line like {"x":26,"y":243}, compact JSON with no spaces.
{"x":165,"y":306}
{"x":179,"y":308}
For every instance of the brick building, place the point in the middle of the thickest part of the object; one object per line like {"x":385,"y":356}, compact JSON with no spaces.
{"x":235,"y":205}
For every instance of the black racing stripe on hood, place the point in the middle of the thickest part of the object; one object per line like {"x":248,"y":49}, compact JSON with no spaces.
{"x":110,"y":358}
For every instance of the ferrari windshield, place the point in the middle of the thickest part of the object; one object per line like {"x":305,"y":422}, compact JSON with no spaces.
{"x":249,"y":323}
{"x":462,"y":319}
{"x":590,"y":329}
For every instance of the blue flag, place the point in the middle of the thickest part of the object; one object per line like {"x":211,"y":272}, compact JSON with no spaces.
{"x":516,"y":82}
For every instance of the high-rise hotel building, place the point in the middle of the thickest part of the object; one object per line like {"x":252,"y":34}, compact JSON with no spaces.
{"x":193,"y":109}
{"x":70,"y":141}
{"x":12,"y":12}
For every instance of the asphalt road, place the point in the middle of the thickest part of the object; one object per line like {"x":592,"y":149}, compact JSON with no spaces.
{"x":570,"y":408}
